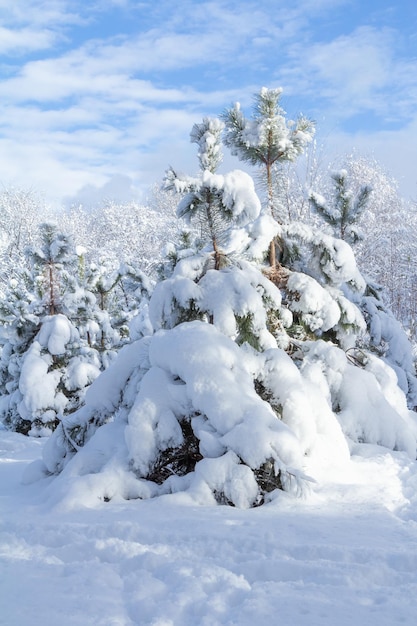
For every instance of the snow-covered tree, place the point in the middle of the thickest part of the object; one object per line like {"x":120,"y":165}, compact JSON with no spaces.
{"x":116,"y":296}
{"x":344,"y":209}
{"x":240,"y":381}
{"x":218,"y":203}
{"x":267,"y":140}
{"x":19,"y":324}
{"x":130,"y":233}
{"x":365,"y":322}
{"x":387,"y":252}
{"x":58,"y":329}
{"x":53,"y":263}
{"x":385,"y":255}
{"x":20,"y":213}
{"x":39,"y":343}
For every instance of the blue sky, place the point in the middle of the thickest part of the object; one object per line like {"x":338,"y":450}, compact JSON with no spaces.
{"x":99,"y":96}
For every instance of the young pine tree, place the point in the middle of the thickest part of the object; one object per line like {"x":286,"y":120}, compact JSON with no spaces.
{"x":266,"y":140}
{"x":345,"y":208}
{"x":53,"y":262}
{"x":204,"y":200}
{"x":58,"y":331}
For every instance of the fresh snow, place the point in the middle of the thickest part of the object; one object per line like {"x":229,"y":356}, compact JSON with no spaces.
{"x":346,"y":554}
{"x":119,"y":518}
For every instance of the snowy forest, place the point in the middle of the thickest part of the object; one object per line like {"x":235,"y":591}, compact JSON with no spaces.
{"x":235,"y":336}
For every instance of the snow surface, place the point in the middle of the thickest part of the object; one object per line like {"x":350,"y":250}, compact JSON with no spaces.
{"x":347,"y":554}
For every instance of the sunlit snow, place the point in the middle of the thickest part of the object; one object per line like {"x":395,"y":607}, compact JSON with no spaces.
{"x":347,"y":554}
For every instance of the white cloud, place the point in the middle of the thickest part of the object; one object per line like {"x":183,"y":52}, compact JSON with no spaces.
{"x":341,"y":63}
{"x":24,"y":40}
{"x":34,"y":25}
{"x":359,"y":71}
{"x":85,"y":109}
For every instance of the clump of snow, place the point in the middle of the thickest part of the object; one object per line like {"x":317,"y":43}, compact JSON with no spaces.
{"x":228,"y":476}
{"x":38,"y":386}
{"x":260,"y":233}
{"x":240,"y":198}
{"x":239,"y":291}
{"x":55,"y":333}
{"x":80,"y":373}
{"x":367,"y":401}
{"x":317,"y":308}
{"x":304,"y":406}
{"x":325,"y":258}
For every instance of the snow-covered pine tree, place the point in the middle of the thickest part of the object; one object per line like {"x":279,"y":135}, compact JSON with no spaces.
{"x":236,"y":387}
{"x":105,"y":301}
{"x":385,"y":255}
{"x":210,"y":284}
{"x":58,"y":330}
{"x":343,"y":211}
{"x":42,"y":377}
{"x":53,"y":262}
{"x":364,"y":323}
{"x":205,"y":199}
{"x":19,"y":324}
{"x":267,"y":140}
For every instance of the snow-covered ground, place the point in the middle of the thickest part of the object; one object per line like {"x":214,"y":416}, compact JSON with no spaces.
{"x":347,"y":554}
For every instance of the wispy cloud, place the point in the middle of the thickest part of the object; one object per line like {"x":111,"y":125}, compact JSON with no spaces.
{"x":35,"y":25}
{"x":97,"y":89}
{"x":24,"y":40}
{"x":359,"y":71}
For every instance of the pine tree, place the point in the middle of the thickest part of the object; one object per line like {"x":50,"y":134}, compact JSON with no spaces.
{"x":61,"y":322}
{"x":20,"y":314}
{"x":267,"y":140}
{"x":212,"y":200}
{"x":345,"y":208}
{"x":236,"y":387}
{"x":116,"y":295}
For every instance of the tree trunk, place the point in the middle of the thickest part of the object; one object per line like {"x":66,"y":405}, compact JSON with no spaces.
{"x":52,"y":307}
{"x":272,"y":257}
{"x":210,"y":222}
